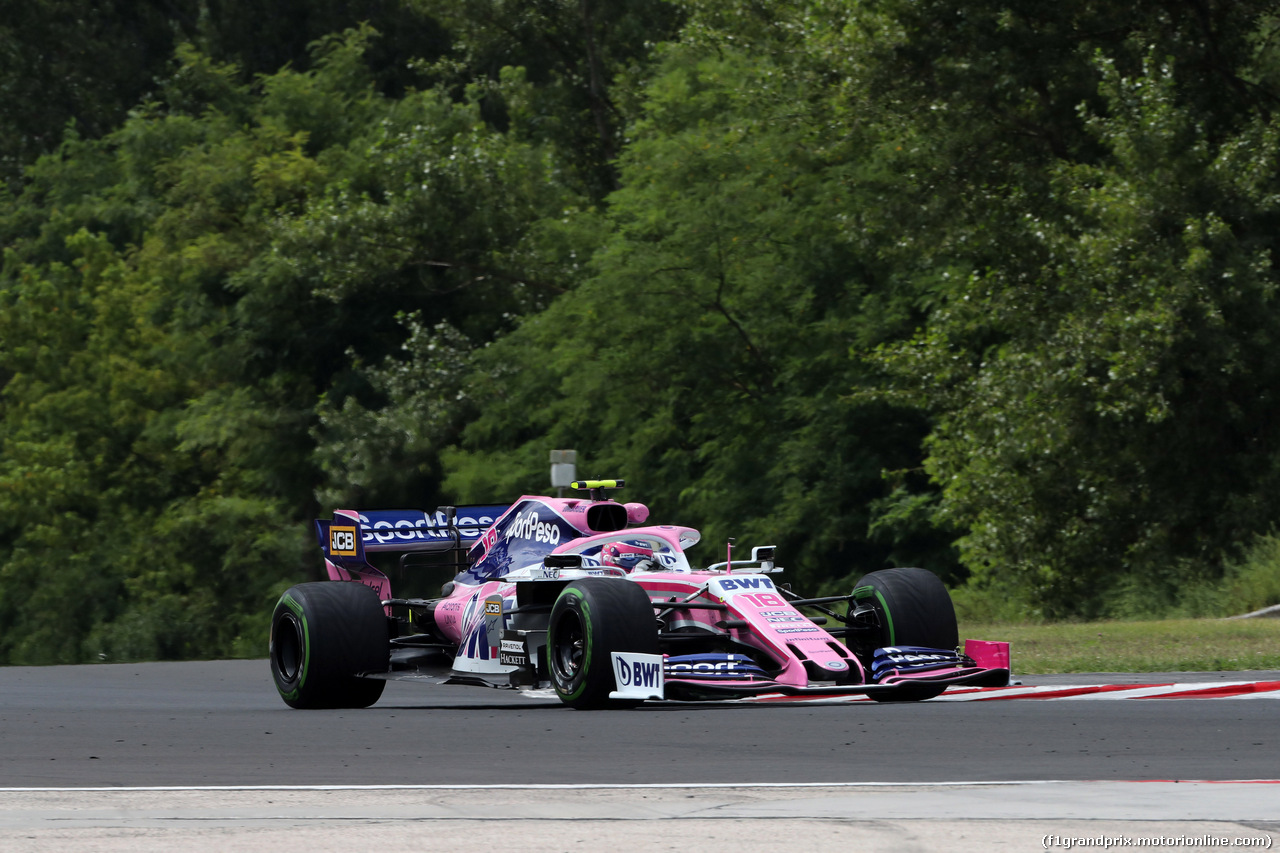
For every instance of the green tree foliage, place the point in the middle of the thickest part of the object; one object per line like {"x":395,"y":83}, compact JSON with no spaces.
{"x":179,"y":296}
{"x":88,"y":62}
{"x":584,"y":59}
{"x":73,"y":60}
{"x":713,"y":352}
{"x":1101,"y":385}
{"x":442,"y":236}
{"x":866,"y":280}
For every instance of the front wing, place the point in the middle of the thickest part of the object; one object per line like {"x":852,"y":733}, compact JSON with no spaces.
{"x":708,"y":690}
{"x":690,"y":689}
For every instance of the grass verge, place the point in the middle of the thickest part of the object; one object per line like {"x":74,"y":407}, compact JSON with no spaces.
{"x":1172,"y":645}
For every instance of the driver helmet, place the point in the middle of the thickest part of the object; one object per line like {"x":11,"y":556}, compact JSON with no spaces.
{"x":628,"y":556}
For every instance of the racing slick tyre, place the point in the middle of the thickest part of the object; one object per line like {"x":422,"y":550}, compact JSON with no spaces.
{"x":591,"y":619}
{"x":322,"y":636}
{"x":907,"y":607}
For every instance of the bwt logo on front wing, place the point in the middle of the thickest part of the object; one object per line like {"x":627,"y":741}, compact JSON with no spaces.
{"x":639,"y":673}
{"x":637,"y":676}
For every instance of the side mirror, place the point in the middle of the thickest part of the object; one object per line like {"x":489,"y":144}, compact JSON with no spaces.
{"x":763,"y":554}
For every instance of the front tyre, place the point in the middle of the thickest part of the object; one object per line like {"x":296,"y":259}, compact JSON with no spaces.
{"x":322,"y":636}
{"x":903,"y":607}
{"x":591,"y":619}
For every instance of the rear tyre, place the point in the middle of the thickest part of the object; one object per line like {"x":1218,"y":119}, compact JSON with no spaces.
{"x":591,"y":619}
{"x":322,"y":636}
{"x":903,"y":607}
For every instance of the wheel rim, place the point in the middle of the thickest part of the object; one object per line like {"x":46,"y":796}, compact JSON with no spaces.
{"x":287,"y":649}
{"x":570,"y":643}
{"x":873,"y":633}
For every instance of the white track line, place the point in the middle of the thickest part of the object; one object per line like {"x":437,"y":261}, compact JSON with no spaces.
{"x":1070,"y":692}
{"x":619,"y":787}
{"x":1200,"y":690}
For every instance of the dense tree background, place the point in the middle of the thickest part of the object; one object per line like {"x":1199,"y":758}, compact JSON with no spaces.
{"x":988,"y":288}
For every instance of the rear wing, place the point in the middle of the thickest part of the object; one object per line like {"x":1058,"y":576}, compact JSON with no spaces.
{"x":350,"y":534}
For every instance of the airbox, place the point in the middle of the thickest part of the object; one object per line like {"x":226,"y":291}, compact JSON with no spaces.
{"x":605,"y":518}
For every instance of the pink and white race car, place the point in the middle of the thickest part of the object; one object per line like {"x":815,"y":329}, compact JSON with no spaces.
{"x":581,"y":595}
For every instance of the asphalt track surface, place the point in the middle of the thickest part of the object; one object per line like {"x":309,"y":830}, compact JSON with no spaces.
{"x":221,"y":723}
{"x":204,"y":755}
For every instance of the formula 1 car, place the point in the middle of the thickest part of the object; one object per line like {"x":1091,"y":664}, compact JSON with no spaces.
{"x":579,"y":594}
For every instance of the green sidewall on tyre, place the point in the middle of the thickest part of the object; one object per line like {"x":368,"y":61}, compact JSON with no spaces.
{"x":572,"y":691}
{"x":914,"y":605}
{"x":914,"y":609}
{"x":591,"y":619}
{"x":323,"y":637}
